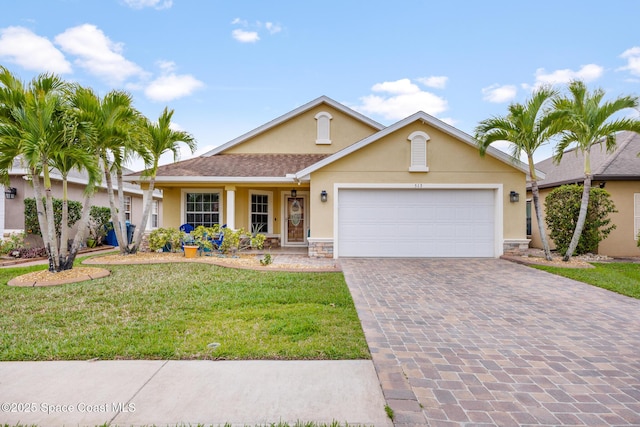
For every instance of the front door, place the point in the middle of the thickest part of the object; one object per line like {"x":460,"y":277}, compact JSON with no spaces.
{"x":296,"y":220}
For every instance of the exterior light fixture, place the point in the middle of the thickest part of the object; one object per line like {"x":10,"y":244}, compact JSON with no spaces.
{"x":514,"y":197}
{"x":294,"y":193}
{"x":10,"y":193}
{"x":323,"y":196}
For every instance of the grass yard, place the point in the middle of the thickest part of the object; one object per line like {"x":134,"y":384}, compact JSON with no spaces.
{"x":181,"y":311}
{"x":623,"y":278}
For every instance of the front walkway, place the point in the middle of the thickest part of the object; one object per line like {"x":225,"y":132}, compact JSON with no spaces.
{"x":488,"y":342}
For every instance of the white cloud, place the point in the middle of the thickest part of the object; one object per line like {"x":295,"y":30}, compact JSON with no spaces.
{"x":402,"y":86}
{"x":156,"y":4}
{"x":22,"y":47}
{"x":98,"y":54}
{"x":171,"y":86}
{"x":587,"y":73}
{"x":402,"y":99}
{"x":251,"y":32}
{"x":436,"y":82}
{"x":633,"y":60}
{"x":239,"y":21}
{"x":245,"y":36}
{"x":498,"y":94}
{"x":273,"y":28}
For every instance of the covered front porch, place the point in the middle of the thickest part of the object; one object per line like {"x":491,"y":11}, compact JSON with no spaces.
{"x":281,"y":213}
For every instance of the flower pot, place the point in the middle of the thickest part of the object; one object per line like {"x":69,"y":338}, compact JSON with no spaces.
{"x":190,"y":251}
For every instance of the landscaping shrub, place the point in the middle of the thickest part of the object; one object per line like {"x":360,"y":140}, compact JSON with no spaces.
{"x":562,"y":207}
{"x":31,"y":224}
{"x":12,"y":243}
{"x":99,"y":223}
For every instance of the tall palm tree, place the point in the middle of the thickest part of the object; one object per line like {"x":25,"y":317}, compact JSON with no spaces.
{"x":160,"y":139}
{"x":587,"y":120}
{"x":75,"y":154}
{"x":115,"y":121}
{"x":527,"y":126}
{"x":34,"y":126}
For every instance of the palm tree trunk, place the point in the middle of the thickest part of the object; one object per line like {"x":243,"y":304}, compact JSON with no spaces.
{"x":67,"y":263}
{"x":64,"y":229}
{"x":582,"y":216}
{"x":541,"y":228}
{"x":42,"y":217}
{"x":137,"y":240}
{"x":51,"y":227}
{"x":114,"y":210}
{"x":124,"y":247}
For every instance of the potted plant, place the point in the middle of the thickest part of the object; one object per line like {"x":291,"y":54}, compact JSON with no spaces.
{"x":189,"y":245}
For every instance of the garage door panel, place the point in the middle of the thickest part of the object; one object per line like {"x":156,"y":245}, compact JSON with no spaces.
{"x":416,"y":223}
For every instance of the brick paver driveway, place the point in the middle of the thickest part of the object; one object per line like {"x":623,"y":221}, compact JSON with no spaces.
{"x":489,"y":342}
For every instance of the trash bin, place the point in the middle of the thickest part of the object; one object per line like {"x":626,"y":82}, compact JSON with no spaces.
{"x":111,"y":238}
{"x":130,"y":229}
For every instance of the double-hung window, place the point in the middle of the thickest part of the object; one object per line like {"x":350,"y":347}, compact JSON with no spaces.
{"x":127,"y":208}
{"x":260,"y":212}
{"x":202,"y":209}
{"x":154,"y":214}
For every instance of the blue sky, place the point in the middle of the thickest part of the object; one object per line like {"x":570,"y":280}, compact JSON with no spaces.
{"x":227,"y":67}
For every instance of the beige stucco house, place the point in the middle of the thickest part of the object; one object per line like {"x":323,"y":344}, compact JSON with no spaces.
{"x":617,"y":172}
{"x":20,"y":188}
{"x":328,"y":178}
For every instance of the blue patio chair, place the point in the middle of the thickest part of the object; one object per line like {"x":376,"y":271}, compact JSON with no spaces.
{"x":217,"y":243}
{"x":186,"y":228}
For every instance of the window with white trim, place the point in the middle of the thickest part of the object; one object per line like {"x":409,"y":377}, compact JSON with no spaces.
{"x":260,"y":210}
{"x":323,"y":124}
{"x":127,"y":208}
{"x":418,"y":151}
{"x":202,"y":209}
{"x":636,"y":215}
{"x":154,"y":213}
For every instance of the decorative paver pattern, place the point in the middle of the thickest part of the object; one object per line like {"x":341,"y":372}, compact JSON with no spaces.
{"x":486,"y":342}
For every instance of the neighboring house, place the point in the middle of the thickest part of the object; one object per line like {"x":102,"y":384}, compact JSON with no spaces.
{"x":617,"y":172}
{"x":12,"y":209}
{"x":328,"y":178}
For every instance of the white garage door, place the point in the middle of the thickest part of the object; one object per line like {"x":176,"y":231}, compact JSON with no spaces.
{"x":416,"y":223}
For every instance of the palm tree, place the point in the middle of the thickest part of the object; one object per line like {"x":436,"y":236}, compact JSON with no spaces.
{"x":34,"y":126}
{"x":115,"y":122}
{"x":74,"y":154}
{"x":587,"y":120}
{"x":527,"y":126}
{"x":160,"y":139}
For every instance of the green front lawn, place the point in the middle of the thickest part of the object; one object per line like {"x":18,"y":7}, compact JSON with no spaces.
{"x":623,"y":278}
{"x":181,"y":311}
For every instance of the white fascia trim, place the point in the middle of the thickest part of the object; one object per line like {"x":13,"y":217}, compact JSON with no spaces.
{"x":157,"y":194}
{"x":427,"y":119}
{"x":217,"y":179}
{"x":498,"y":248}
{"x":309,"y":105}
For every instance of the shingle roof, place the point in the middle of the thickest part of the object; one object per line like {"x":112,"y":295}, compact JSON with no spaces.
{"x":240,"y":165}
{"x":623,"y":163}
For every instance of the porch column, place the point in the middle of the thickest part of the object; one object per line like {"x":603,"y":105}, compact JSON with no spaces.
{"x":231,"y":207}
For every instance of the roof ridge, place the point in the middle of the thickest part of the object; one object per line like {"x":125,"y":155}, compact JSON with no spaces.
{"x":620,"y":147}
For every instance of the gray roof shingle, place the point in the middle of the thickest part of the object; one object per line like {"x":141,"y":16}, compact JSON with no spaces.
{"x":240,"y":165}
{"x":623,"y":163}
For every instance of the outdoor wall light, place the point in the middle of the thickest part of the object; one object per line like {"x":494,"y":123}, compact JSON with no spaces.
{"x":323,"y":196}
{"x":514,"y":197}
{"x":294,"y":193}
{"x":10,"y":193}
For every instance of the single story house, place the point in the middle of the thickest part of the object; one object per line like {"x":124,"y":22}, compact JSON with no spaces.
{"x":21,"y":188}
{"x":618,"y":172}
{"x":326,"y":177}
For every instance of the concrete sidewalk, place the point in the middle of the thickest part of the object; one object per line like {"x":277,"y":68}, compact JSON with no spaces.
{"x":142,"y":392}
